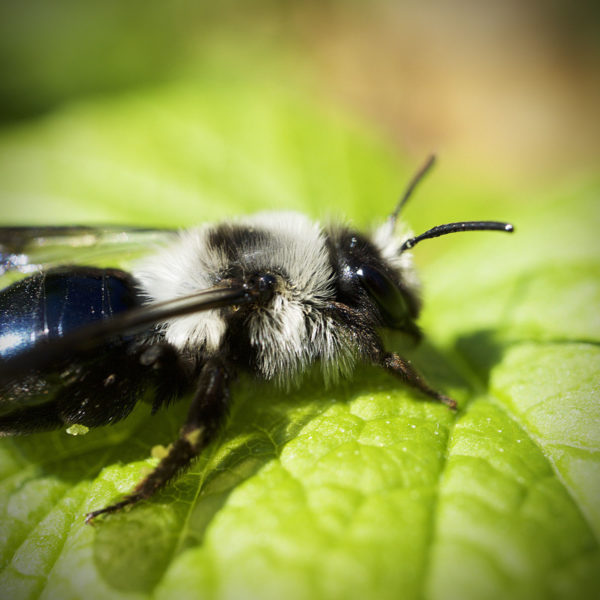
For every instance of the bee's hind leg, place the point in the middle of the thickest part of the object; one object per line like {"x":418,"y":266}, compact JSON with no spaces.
{"x":92,"y":391}
{"x":207,"y":412}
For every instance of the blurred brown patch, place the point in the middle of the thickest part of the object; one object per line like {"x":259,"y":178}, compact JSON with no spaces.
{"x":508,"y":86}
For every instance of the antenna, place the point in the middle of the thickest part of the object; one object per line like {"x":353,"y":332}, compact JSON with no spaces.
{"x":456,"y":227}
{"x":417,"y":178}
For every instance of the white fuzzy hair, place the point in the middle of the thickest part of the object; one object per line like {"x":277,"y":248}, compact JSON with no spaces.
{"x":388,"y":241}
{"x":294,"y":330}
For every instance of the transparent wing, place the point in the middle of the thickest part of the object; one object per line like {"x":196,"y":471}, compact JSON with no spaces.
{"x":30,"y":249}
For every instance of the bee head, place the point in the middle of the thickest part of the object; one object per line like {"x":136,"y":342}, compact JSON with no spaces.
{"x":365,"y":278}
{"x":380,"y":269}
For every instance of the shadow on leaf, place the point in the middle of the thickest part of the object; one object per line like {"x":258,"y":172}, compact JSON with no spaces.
{"x":263,"y":421}
{"x":133,"y":549}
{"x":177,"y":518}
{"x":482,"y":350}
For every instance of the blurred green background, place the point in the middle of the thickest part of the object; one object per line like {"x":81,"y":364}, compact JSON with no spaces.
{"x":175,"y":113}
{"x":508,"y":87}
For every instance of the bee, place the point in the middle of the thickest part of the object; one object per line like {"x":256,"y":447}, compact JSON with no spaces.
{"x":269,"y":294}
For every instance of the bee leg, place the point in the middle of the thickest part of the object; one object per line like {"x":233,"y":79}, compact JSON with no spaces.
{"x":169,"y":375}
{"x":401,"y":368}
{"x":206,"y":414}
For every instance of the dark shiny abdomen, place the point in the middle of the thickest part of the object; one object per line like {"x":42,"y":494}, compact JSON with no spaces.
{"x":50,"y":304}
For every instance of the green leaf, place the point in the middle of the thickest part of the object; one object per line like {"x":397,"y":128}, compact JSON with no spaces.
{"x":360,"y":490}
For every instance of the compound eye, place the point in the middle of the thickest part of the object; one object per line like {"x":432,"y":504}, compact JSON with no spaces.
{"x":387,"y":294}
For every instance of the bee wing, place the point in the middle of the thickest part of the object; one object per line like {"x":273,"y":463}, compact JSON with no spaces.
{"x":47,"y":354}
{"x":30,"y":249}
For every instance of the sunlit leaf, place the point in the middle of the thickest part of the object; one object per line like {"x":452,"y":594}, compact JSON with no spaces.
{"x":357,"y":491}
